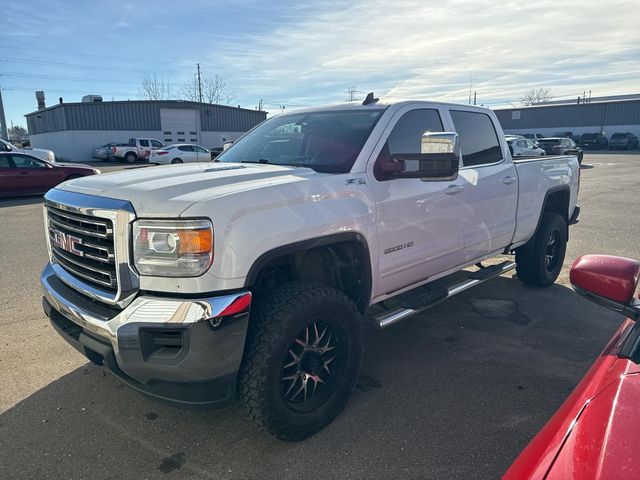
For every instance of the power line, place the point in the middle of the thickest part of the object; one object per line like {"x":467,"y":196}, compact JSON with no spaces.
{"x":71,"y":65}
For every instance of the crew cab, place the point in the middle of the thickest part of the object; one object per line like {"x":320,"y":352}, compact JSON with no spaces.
{"x":41,"y":153}
{"x":136,"y":149}
{"x":250,"y":278}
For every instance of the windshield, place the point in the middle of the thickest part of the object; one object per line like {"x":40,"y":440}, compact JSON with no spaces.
{"x":547,"y":142}
{"x":327,"y":142}
{"x":619,"y":136}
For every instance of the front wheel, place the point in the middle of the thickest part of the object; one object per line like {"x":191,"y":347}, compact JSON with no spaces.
{"x":175,"y":161}
{"x":540,"y":260}
{"x":130,"y":157}
{"x":303,"y":354}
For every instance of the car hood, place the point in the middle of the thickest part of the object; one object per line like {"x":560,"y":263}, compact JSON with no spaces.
{"x":603,"y":442}
{"x":73,"y":165}
{"x":166,"y":191}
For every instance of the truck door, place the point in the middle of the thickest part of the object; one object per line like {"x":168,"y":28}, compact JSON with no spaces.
{"x":420,"y":224}
{"x":490,"y":185}
{"x":144,"y":150}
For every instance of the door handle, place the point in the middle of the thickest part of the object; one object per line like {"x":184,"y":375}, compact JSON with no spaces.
{"x":453,"y":189}
{"x":509,"y":180}
{"x":24,"y":173}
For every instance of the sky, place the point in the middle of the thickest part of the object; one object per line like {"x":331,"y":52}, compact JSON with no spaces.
{"x":310,"y":53}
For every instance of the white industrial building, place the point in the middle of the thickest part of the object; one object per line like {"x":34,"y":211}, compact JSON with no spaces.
{"x":73,"y":130}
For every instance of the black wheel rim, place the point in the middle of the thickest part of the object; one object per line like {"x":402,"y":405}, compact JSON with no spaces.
{"x":313,"y":366}
{"x":552,"y":252}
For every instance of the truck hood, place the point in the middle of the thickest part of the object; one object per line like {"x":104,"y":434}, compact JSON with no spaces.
{"x":166,"y":191}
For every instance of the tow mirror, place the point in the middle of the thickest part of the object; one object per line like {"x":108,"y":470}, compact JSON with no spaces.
{"x":609,"y":281}
{"x":439,"y":159}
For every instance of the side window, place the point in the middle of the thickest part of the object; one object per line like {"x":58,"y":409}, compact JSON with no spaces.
{"x":406,"y":136}
{"x":156,"y":144}
{"x":144,"y":143}
{"x":23,"y":161}
{"x":4,"y":147}
{"x":200,"y":149}
{"x":522,"y":143}
{"x":5,"y":161}
{"x":185,"y":148}
{"x":478,"y":138}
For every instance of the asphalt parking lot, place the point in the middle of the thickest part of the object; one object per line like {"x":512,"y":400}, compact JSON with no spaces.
{"x":454,"y":393}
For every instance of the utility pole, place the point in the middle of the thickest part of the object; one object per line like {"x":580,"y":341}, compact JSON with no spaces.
{"x":260,"y":104}
{"x":3,"y":122}
{"x":199,"y":85}
{"x":474,"y":97}
{"x":351,"y":94}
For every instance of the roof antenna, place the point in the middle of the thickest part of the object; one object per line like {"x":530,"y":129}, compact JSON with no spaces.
{"x":370,"y":100}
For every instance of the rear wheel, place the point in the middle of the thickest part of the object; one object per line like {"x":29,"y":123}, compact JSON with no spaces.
{"x":130,"y":157}
{"x":540,"y":260}
{"x":176,"y":160}
{"x":303,"y":354}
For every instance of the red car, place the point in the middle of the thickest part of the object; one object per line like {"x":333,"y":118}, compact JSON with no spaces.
{"x":596,"y":432}
{"x":22,"y":174}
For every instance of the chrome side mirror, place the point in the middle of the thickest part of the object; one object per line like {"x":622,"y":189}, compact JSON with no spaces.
{"x":439,"y":159}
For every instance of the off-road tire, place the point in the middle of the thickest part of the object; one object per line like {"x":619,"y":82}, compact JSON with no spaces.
{"x":130,"y":157}
{"x":531,"y":265}
{"x":276,"y":319}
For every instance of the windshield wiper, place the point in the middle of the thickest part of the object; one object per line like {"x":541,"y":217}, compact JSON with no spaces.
{"x":262,"y":160}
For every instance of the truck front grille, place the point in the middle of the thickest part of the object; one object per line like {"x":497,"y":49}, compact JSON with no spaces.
{"x":84,"y":246}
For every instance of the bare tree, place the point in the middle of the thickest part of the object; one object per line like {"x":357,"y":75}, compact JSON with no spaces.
{"x":535,"y":96}
{"x":155,"y":87}
{"x":214,"y":90}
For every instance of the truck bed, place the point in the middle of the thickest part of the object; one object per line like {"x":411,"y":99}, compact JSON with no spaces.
{"x":541,"y":174}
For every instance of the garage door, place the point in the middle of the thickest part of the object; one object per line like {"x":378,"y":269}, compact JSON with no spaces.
{"x":180,"y":125}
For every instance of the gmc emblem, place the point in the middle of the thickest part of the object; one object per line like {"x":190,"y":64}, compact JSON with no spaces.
{"x":67,"y":242}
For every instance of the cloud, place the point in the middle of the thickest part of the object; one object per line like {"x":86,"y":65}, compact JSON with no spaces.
{"x":418,"y":49}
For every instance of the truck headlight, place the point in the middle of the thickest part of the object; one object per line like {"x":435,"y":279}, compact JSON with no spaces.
{"x":172,"y":248}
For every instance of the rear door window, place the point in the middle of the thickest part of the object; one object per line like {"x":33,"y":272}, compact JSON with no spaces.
{"x":185,"y":148}
{"x":144,"y":143}
{"x":478,"y":138}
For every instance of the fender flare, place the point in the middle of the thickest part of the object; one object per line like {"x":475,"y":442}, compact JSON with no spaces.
{"x":309,"y":244}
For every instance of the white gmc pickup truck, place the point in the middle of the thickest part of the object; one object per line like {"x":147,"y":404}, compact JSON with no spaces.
{"x":248,"y":278}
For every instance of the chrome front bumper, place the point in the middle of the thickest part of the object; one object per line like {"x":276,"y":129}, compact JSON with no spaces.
{"x":206,"y":339}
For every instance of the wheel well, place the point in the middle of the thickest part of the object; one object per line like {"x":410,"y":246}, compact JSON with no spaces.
{"x":558,"y":202}
{"x":344,"y":266}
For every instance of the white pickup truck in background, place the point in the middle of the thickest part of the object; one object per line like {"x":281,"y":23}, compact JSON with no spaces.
{"x":136,"y":149}
{"x":250,"y":279}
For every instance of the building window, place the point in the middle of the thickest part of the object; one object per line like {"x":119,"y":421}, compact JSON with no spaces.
{"x":166,"y":133}
{"x":181,"y":139}
{"x":167,"y":140}
{"x":515,"y":115}
{"x":180,"y":133}
{"x":193,"y":133}
{"x":194,"y":140}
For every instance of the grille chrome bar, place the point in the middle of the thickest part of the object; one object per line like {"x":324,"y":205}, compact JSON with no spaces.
{"x":74,"y":269}
{"x":59,"y":253}
{"x":77,"y":229}
{"x":99,"y":222}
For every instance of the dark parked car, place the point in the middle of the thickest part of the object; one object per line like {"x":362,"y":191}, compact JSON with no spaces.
{"x":623,"y":141}
{"x":561,"y":146}
{"x":594,"y":141}
{"x":575,"y":138}
{"x":22,"y":174}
